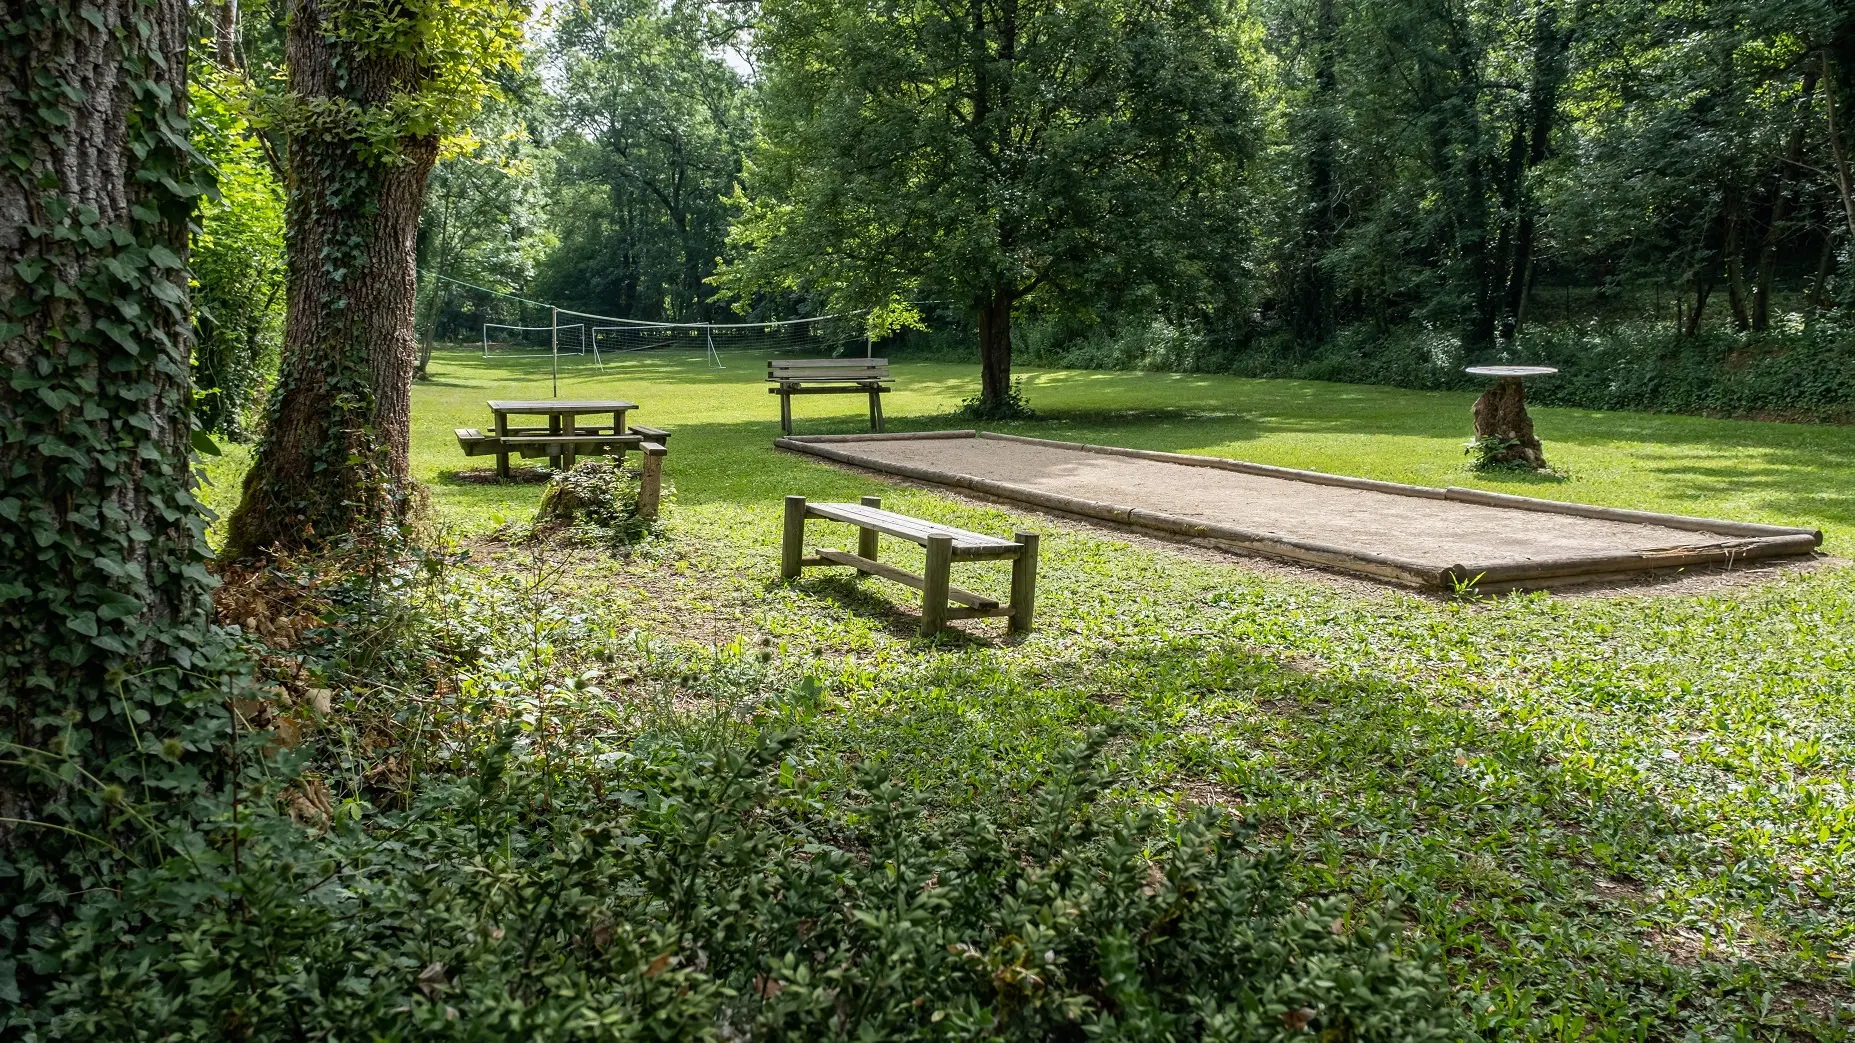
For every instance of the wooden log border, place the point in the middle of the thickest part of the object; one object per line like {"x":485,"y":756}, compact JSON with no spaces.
{"x":1760,"y":541}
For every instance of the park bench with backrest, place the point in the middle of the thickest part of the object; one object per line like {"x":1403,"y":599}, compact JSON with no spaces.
{"x":828,"y":377}
{"x":944,"y":544}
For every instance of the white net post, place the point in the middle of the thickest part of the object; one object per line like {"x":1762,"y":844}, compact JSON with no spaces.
{"x":554,"y":343}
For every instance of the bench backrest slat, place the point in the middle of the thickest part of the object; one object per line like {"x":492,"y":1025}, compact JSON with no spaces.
{"x":827,"y":369}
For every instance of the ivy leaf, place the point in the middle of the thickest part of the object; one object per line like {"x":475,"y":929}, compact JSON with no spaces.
{"x":163,"y":256}
{"x":203,"y":443}
{"x":113,"y":604}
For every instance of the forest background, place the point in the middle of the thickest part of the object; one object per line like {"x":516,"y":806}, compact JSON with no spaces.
{"x":1652,"y":196}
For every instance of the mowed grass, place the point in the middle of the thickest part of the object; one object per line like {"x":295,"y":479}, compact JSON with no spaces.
{"x":724,"y":424}
{"x":1618,"y":818}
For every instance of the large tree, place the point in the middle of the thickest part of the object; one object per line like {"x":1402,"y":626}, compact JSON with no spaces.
{"x":110,"y":670}
{"x":994,"y":152}
{"x":371,"y":90}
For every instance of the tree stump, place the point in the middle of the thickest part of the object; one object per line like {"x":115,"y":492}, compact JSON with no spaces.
{"x":1501,"y":415}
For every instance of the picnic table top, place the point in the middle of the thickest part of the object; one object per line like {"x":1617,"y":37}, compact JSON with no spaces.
{"x":1510,"y":372}
{"x":561,"y":405}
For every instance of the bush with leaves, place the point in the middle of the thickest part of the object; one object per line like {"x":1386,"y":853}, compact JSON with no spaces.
{"x":517,"y":875}
{"x":600,"y":496}
{"x":704,"y":889}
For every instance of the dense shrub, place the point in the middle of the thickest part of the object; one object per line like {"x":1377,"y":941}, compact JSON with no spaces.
{"x":598,"y":496}
{"x":692,"y":891}
{"x":1794,"y":374}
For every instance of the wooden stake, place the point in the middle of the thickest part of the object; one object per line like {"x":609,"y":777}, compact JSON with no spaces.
{"x":1024,"y":583}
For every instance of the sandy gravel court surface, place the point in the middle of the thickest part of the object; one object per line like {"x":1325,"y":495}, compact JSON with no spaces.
{"x":1424,"y":531}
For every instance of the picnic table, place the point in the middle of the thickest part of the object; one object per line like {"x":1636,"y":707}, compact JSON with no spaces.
{"x":564,"y":437}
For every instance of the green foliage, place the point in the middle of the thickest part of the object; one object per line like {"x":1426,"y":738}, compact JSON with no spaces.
{"x":986,"y":153}
{"x":601,"y":496}
{"x":697,"y":879}
{"x":653,"y":126}
{"x":237,"y":264}
{"x":112,"y":678}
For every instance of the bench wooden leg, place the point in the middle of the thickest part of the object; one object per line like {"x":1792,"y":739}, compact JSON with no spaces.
{"x":866,"y":538}
{"x":792,"y":544}
{"x":650,"y":483}
{"x":502,"y":453}
{"x":1024,"y":583}
{"x":934,"y":582}
{"x":785,"y":412}
{"x":553,"y":428}
{"x":876,"y":411}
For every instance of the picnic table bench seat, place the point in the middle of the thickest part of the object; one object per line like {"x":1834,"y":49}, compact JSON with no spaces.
{"x":791,"y":377}
{"x":945,"y":545}
{"x":535,"y":442}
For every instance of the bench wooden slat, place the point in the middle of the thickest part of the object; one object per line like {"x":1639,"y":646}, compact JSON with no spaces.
{"x":827,"y":363}
{"x":907,"y":579}
{"x":912,"y":529}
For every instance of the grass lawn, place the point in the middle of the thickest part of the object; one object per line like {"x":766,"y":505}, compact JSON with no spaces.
{"x":1619,"y":817}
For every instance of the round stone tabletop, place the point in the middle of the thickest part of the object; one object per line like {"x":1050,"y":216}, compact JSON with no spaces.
{"x":1510,"y":372}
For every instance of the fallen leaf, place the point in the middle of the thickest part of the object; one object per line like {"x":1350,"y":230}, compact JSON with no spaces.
{"x":657,"y":966}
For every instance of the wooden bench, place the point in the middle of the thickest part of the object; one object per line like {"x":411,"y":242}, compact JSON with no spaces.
{"x":945,"y":545}
{"x":647,"y":440}
{"x":828,"y":377}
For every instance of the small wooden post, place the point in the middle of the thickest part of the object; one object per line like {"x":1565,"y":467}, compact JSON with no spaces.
{"x":866,"y":538}
{"x":650,"y":484}
{"x":876,"y":409}
{"x":785,"y":409}
{"x":792,"y":545}
{"x":1024,"y":583}
{"x":502,"y":451}
{"x":935,"y":579}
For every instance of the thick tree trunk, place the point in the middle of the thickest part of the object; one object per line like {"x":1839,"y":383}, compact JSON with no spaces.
{"x":335,"y":458}
{"x":1501,"y":414}
{"x":104,"y":611}
{"x":995,"y":355}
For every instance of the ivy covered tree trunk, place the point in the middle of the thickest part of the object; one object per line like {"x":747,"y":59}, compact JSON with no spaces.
{"x":334,"y":459}
{"x":109,"y":666}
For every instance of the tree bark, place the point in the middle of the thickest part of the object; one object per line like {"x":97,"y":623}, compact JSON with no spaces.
{"x":1311,"y":305}
{"x":335,"y":459}
{"x":1549,"y":47}
{"x":104,"y":610}
{"x":1767,"y":272}
{"x":1733,"y":253}
{"x":1501,"y":414}
{"x":995,"y":355}
{"x":1703,"y":289}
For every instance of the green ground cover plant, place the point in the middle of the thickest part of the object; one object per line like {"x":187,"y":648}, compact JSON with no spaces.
{"x":1621,"y":817}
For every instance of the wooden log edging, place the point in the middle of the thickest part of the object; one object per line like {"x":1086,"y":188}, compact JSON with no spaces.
{"x":1763,"y":541}
{"x":1671,"y":521}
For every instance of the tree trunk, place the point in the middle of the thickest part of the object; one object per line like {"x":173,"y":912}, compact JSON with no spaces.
{"x":1733,"y":253}
{"x":1766,"y":274}
{"x":103,"y":593}
{"x":1549,"y":47}
{"x":1703,"y":289}
{"x":995,"y":398}
{"x":1310,"y":295}
{"x":1501,"y":415}
{"x":335,"y":458}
